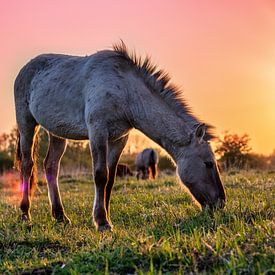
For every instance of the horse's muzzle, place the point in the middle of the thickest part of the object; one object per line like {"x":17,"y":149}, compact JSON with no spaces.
{"x":220,"y":204}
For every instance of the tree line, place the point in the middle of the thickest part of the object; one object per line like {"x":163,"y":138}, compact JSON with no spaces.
{"x":233,"y":152}
{"x":76,"y":157}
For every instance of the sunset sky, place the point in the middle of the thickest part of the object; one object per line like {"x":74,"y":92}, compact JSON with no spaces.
{"x":222,"y":53}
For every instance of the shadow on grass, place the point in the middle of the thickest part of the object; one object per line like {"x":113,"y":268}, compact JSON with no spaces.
{"x":43,"y":249}
{"x":50,"y":269}
{"x":41,"y":246}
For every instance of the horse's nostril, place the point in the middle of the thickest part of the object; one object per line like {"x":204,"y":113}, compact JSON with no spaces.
{"x":219,"y":204}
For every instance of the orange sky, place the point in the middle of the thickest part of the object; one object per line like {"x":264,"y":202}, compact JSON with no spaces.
{"x":221,"y":52}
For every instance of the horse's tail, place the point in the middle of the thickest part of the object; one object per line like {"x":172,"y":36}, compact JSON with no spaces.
{"x":153,"y":163}
{"x":154,"y":169}
{"x":17,"y":152}
{"x":34,"y":179}
{"x":18,"y":160}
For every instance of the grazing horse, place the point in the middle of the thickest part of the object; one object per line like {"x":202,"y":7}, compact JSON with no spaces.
{"x":101,"y":97}
{"x":123,"y":170}
{"x":147,"y":164}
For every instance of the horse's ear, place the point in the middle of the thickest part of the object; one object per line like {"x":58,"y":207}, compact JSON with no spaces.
{"x":200,"y":132}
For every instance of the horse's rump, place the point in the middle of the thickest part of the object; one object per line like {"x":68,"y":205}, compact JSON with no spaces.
{"x":146,"y":163}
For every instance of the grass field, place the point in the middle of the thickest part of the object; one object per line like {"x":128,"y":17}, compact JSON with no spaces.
{"x":157,"y":229}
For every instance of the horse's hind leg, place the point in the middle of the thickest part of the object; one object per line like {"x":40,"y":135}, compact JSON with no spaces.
{"x":114,"y":151}
{"x":26,"y":157}
{"x":56,"y":150}
{"x":154,"y":169}
{"x":139,"y":172}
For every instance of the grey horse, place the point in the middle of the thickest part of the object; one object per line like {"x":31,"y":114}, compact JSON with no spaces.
{"x":101,"y":97}
{"x":147,"y":164}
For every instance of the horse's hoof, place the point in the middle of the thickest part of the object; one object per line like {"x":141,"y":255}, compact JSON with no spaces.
{"x":105,"y":227}
{"x":26,"y":218}
{"x":60,"y":216}
{"x":63,"y":219}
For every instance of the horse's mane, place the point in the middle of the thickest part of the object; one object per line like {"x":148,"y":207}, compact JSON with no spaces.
{"x":158,"y":80}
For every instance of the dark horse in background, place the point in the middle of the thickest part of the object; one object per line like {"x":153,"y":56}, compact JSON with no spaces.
{"x":123,"y":170}
{"x":101,"y":97}
{"x":147,"y":164}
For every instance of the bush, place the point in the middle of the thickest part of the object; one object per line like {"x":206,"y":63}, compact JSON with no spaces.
{"x":165,"y":163}
{"x":6,"y":162}
{"x":233,"y":150}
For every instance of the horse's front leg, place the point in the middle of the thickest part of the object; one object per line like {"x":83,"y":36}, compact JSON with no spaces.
{"x":99,"y":149}
{"x":115,"y":149}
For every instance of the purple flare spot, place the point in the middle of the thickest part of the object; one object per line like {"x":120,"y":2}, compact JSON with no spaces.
{"x":25,"y":186}
{"x":49,"y":178}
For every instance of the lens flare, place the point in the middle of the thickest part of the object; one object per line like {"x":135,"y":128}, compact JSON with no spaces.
{"x":11,"y":188}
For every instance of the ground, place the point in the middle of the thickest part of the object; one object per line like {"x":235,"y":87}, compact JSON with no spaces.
{"x":157,"y":229}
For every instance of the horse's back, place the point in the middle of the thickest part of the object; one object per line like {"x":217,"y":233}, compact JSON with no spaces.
{"x":34,"y":69}
{"x":63,"y":92}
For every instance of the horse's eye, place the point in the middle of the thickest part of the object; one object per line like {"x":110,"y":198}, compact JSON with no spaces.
{"x":209,"y":164}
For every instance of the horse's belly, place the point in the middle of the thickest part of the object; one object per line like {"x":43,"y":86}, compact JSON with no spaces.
{"x":69,"y":131}
{"x":65,"y":128}
{"x":63,"y":119}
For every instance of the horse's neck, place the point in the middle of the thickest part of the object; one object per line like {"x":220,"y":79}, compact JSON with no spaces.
{"x":152,"y":116}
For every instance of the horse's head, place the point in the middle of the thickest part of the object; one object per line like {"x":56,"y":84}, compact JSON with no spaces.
{"x":197,"y":168}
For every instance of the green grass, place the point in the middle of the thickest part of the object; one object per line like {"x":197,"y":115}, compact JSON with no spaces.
{"x":157,"y":229}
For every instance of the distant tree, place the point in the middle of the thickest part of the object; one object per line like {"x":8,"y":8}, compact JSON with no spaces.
{"x":77,"y":155}
{"x":4,"y":142}
{"x":257,"y":161}
{"x":7,"y":147}
{"x":233,"y":150}
{"x":8,"y":141}
{"x":271,"y":160}
{"x":6,"y":162}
